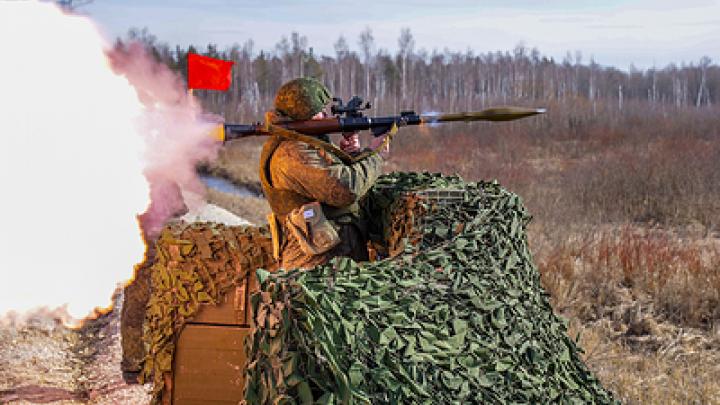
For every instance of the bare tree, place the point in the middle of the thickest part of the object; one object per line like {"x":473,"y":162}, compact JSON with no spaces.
{"x":299,"y":45}
{"x":406,"y":44}
{"x":341,"y":52}
{"x":366,"y":43}
{"x":702,"y":89}
{"x":283,"y":49}
{"x":446,"y":80}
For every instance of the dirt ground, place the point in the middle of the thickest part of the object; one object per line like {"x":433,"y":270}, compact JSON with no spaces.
{"x":43,"y":361}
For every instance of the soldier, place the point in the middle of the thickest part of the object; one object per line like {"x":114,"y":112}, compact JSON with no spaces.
{"x":314,"y":187}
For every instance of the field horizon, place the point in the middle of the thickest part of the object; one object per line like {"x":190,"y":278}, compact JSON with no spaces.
{"x":625,"y":230}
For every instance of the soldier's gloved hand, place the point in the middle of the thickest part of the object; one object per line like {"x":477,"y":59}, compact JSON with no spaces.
{"x":350,"y":143}
{"x":381,"y":144}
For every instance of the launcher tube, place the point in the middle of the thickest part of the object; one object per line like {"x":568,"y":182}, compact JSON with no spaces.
{"x":378,"y":125}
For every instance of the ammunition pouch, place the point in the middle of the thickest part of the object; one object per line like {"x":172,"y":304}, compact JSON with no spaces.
{"x":315,"y":233}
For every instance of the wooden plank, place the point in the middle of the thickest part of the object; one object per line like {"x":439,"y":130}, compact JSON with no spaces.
{"x":232,"y":311}
{"x":209,"y":365}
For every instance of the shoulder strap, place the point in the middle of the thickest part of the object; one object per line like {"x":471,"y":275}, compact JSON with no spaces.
{"x":289,"y":134}
{"x":284,"y":201}
{"x":281,"y":201}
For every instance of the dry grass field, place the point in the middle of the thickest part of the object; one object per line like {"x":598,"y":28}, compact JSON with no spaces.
{"x":626,"y":229}
{"x":645,"y":303}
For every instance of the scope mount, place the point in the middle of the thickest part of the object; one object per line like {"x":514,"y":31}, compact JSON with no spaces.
{"x":352,"y":109}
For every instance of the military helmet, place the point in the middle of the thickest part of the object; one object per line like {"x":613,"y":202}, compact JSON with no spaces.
{"x":302,"y":98}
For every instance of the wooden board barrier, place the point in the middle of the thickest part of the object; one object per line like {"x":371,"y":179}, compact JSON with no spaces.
{"x":209,"y":364}
{"x":210,"y":354}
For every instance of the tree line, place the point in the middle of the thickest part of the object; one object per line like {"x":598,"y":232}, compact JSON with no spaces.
{"x":417,"y":79}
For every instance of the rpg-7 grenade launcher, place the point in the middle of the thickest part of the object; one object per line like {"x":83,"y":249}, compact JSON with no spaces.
{"x":349,"y":118}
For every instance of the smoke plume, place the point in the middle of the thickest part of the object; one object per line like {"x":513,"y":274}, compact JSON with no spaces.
{"x":176,"y":134}
{"x":91,"y":137}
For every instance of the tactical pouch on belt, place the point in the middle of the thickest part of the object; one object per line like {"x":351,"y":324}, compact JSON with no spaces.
{"x":315,"y":234}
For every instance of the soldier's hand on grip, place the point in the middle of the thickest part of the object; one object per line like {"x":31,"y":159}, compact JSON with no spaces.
{"x":350,"y":143}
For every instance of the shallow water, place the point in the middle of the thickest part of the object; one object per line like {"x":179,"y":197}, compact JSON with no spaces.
{"x":226,"y":186}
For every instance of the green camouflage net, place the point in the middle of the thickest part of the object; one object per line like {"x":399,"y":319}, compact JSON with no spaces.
{"x":195,"y":264}
{"x":460,"y":317}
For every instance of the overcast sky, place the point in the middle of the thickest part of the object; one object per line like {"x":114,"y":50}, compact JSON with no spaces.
{"x":617,"y":33}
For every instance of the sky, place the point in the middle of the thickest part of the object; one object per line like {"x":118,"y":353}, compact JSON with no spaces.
{"x":619,"y":33}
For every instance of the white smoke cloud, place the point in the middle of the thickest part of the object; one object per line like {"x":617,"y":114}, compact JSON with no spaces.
{"x":176,"y":133}
{"x":75,"y":141}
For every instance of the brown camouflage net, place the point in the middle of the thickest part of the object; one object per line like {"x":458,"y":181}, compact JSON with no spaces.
{"x":195,"y":264}
{"x":401,"y":219}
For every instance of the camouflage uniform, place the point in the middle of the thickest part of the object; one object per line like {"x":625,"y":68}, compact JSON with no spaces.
{"x":301,"y":169}
{"x":320,"y":175}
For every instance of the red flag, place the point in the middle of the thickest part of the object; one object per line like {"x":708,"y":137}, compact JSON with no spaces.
{"x":208,"y":73}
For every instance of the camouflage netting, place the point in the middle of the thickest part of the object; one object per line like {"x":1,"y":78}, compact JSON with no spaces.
{"x":195,"y":263}
{"x":459,"y":318}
